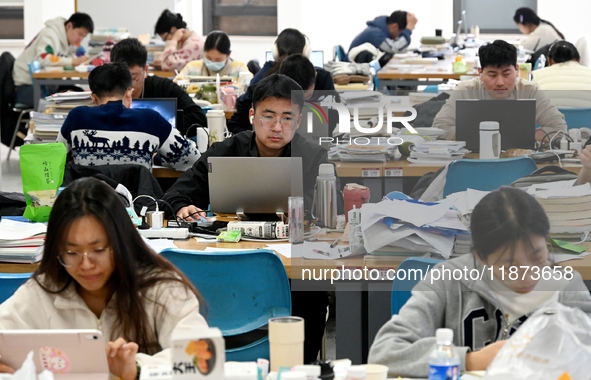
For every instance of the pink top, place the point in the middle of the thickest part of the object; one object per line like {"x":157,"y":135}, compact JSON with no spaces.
{"x":175,"y":58}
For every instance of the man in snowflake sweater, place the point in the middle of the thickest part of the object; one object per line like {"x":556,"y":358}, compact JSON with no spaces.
{"x":114,"y":134}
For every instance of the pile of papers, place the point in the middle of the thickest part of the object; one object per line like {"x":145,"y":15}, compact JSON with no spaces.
{"x":21,"y":242}
{"x":410,"y":228}
{"x":568,"y":209}
{"x":377,"y":150}
{"x":45,"y":127}
{"x":438,"y":152}
{"x":63,"y":102}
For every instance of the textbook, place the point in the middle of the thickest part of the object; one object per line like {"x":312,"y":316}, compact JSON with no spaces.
{"x":568,"y":209}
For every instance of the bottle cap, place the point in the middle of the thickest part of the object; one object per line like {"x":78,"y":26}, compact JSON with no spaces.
{"x":326,"y":170}
{"x":356,"y":372}
{"x":489,"y":125}
{"x":444,"y":336}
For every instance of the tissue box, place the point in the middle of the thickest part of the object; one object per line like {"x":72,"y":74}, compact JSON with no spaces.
{"x":241,"y":371}
{"x":198,"y":354}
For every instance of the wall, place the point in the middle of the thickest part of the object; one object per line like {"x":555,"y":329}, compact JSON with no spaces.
{"x":326,"y":23}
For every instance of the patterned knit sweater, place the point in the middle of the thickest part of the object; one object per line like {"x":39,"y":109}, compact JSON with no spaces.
{"x":112,"y":134}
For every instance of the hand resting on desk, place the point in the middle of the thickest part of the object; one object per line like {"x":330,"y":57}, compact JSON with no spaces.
{"x":121,"y":358}
{"x":185,"y":212}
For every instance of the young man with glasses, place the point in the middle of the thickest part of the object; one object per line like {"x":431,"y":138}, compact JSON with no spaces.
{"x":135,"y":55}
{"x":275,"y":116}
{"x":114,"y":134}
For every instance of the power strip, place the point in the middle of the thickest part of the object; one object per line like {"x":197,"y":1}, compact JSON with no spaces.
{"x":165,"y":233}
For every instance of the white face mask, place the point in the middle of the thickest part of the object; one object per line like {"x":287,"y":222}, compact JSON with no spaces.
{"x":214,"y":66}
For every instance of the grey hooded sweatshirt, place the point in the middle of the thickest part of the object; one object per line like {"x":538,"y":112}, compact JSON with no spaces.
{"x":467,"y":307}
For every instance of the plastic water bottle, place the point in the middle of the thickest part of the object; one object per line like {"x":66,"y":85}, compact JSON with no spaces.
{"x":444,"y":362}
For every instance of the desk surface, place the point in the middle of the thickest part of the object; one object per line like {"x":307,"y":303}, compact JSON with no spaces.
{"x":582,"y":266}
{"x":441,"y":69}
{"x":59,"y":74}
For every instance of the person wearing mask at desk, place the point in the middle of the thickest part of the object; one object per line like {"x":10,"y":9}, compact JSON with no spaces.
{"x":182,"y":45}
{"x":113,"y":134}
{"x":509,"y":230}
{"x":217,"y":60}
{"x":383,"y":37}
{"x":97,"y":271}
{"x":539,"y":32}
{"x":499,"y":79}
{"x":135,"y":55}
{"x":289,"y":42}
{"x":55,"y":45}
{"x":566,"y":82}
{"x":275,"y":115}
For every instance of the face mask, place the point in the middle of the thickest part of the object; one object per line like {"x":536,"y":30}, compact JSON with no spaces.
{"x":214,"y":66}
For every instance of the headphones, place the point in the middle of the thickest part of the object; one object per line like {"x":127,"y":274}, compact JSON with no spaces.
{"x":306,"y":52}
{"x":252,"y":120}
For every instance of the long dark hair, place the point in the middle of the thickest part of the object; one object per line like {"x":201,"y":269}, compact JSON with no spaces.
{"x":528,"y":16}
{"x":167,"y":21}
{"x":289,"y":41}
{"x":505,"y":217}
{"x":563,"y":51}
{"x":137,"y":268}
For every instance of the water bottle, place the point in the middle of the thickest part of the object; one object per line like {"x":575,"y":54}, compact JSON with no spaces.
{"x":444,"y":362}
{"x":107,"y":50}
{"x":326,"y":196}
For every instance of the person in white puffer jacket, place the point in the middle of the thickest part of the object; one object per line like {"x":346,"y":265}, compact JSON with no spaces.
{"x":566,"y":82}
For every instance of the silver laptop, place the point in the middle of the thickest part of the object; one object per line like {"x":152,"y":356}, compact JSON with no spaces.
{"x":516,"y":117}
{"x":69,"y":354}
{"x":253,"y":185}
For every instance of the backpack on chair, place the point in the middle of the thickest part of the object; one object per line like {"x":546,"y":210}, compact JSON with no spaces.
{"x":546,"y":174}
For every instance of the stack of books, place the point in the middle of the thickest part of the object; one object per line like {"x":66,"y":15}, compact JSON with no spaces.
{"x":46,"y":127}
{"x":63,"y":102}
{"x":568,"y":210}
{"x":21,"y":242}
{"x":438,"y":152}
{"x":101,"y":36}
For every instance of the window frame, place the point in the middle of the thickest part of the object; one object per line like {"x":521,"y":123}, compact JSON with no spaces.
{"x":14,"y":9}
{"x":457,"y":12}
{"x":211,"y":10}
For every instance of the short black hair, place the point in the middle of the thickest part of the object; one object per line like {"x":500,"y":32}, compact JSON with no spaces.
{"x":497,"y":54}
{"x":110,"y":79}
{"x":563,"y":51}
{"x":130,"y":51}
{"x":398,"y":17}
{"x":81,"y":20}
{"x":300,"y":69}
{"x":167,"y":21}
{"x":505,"y":217}
{"x":278,"y":86}
{"x":219,"y":41}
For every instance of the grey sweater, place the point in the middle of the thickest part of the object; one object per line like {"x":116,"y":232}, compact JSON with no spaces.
{"x":469,"y":308}
{"x":547,"y":115}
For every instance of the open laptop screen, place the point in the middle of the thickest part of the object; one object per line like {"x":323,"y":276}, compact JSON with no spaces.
{"x":166,"y":107}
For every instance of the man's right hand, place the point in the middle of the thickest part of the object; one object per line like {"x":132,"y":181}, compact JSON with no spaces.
{"x":79,"y":60}
{"x":481,"y":359}
{"x":411,"y":21}
{"x":186,"y":211}
{"x":6,"y":369}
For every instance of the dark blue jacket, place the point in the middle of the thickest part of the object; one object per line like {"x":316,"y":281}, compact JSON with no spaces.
{"x":377,"y":32}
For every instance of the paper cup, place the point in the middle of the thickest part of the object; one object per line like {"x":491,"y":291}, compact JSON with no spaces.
{"x":376,"y":372}
{"x":286,"y":342}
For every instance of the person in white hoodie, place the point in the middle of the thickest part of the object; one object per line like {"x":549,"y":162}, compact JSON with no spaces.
{"x":97,"y":273}
{"x":55,"y":45}
{"x":566,"y":82}
{"x":508,"y":276}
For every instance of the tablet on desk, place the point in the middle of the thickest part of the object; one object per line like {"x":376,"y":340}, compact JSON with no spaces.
{"x":69,"y":354}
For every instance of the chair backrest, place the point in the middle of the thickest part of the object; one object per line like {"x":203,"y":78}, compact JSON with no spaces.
{"x":583,"y":45}
{"x":339,"y":54}
{"x":577,"y":117}
{"x":242,"y":289}
{"x":10,"y":282}
{"x":6,"y":81}
{"x":486,"y":175}
{"x":414,"y":269}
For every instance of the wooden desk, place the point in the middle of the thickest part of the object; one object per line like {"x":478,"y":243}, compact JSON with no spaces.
{"x":70,"y":77}
{"x":433,"y":74}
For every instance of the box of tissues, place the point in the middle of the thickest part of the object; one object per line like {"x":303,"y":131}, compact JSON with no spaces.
{"x":198,"y":354}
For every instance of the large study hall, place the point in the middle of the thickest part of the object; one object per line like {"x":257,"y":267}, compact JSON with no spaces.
{"x":277,"y":190}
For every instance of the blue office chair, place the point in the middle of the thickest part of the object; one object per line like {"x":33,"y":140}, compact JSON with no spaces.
{"x":577,"y":117}
{"x":242,"y":290}
{"x":10,"y":282}
{"x":339,"y":54}
{"x":486,"y":175}
{"x":401,"y":288}
{"x":540,"y":62}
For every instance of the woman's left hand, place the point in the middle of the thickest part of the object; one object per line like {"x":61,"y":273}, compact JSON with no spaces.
{"x":121,"y":358}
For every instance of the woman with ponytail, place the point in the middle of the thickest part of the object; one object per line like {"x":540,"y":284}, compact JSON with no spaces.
{"x":539,"y":32}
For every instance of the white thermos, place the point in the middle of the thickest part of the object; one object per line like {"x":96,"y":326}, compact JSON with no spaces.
{"x":490,"y":140}
{"x":216,"y":123}
{"x":326,"y":196}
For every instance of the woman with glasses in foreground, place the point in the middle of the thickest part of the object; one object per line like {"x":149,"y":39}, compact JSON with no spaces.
{"x":97,"y":273}
{"x":485,"y":296}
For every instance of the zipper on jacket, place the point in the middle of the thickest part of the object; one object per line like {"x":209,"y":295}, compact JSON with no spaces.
{"x":507,"y":327}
